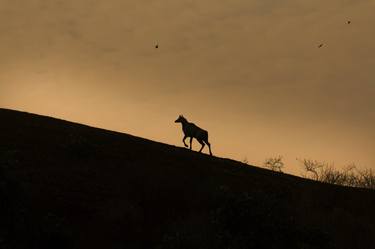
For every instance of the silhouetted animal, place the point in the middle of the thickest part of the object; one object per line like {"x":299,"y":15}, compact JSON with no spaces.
{"x":157,"y":46}
{"x":320,"y":45}
{"x":349,"y":22}
{"x":193,"y":131}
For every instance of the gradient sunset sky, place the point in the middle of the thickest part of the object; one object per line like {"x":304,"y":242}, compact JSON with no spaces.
{"x":248,"y":71}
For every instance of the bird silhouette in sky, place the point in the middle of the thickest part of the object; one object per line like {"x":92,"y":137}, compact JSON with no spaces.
{"x":349,"y":22}
{"x":157,"y":45}
{"x":320,"y":45}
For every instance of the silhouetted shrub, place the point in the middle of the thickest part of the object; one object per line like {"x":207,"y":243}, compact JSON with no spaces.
{"x":274,"y":163}
{"x":366,"y":178}
{"x":349,"y":176}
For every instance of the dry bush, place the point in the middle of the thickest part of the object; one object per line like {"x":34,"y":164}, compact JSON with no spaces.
{"x":312,"y":168}
{"x":349,"y":176}
{"x":274,"y":163}
{"x":366,"y":178}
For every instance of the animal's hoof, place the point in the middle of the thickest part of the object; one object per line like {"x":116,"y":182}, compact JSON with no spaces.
{"x":186,"y":145}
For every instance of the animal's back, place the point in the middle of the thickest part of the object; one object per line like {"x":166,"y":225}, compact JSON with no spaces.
{"x":197,"y":132}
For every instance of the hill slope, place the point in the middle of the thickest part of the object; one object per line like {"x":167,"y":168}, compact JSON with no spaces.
{"x":66,"y":185}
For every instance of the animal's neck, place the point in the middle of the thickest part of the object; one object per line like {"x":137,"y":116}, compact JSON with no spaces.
{"x":184,"y":122}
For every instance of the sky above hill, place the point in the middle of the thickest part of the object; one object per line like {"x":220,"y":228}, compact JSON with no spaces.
{"x":248,"y":71}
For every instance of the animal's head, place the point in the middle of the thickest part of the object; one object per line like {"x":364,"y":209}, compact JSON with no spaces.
{"x":180,"y":119}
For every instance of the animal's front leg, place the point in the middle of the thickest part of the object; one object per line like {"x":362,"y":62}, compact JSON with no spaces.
{"x":191,"y":140}
{"x":183,"y":140}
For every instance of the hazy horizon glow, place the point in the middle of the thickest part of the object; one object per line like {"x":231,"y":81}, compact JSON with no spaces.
{"x":249,"y":72}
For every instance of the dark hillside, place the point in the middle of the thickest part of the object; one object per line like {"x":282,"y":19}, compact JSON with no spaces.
{"x":66,"y":185}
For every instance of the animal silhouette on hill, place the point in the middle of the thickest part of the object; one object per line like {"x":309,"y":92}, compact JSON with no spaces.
{"x":192,"y":131}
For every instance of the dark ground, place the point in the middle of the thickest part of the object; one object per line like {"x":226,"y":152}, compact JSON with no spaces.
{"x":66,"y":185}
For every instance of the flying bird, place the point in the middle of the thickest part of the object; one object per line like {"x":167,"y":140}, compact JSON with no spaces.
{"x":157,"y":45}
{"x":320,"y":45}
{"x":349,"y":22}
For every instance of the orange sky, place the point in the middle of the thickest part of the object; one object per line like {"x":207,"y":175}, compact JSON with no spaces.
{"x":248,"y":71}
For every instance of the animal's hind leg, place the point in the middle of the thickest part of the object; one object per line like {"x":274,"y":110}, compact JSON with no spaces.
{"x":209,"y":146}
{"x":202,"y":143}
{"x":191,"y":141}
